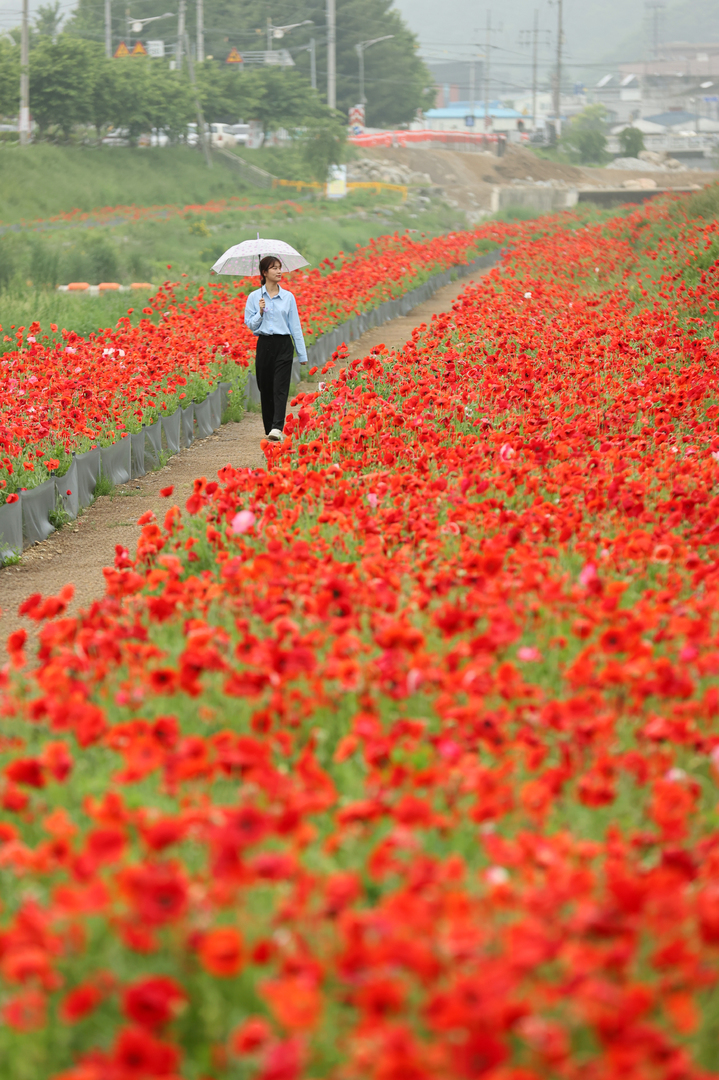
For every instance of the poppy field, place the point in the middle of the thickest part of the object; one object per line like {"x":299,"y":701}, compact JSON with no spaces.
{"x":398,"y":759}
{"x":61,"y":392}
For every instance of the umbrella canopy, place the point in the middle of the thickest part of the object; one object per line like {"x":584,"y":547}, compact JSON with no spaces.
{"x":244,"y":259}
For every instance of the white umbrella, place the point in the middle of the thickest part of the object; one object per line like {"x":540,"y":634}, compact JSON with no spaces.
{"x":244,"y":259}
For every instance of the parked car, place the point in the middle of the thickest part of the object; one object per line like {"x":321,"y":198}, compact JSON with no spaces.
{"x":241,"y":133}
{"x":116,"y":137}
{"x":222,"y":136}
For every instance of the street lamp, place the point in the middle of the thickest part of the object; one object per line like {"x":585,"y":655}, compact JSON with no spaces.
{"x":360,"y":50}
{"x":312,"y":50}
{"x":280,"y":31}
{"x":136,"y":25}
{"x":697,"y":102}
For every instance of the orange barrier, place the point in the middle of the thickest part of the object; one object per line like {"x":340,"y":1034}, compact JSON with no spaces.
{"x":378,"y":185}
{"x":105,"y":286}
{"x":299,"y":185}
{"x":447,"y":138}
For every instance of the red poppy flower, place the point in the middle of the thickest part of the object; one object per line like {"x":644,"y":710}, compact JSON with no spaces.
{"x":221,"y":952}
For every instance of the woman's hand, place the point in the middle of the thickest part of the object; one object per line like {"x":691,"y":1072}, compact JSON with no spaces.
{"x":262,"y":305}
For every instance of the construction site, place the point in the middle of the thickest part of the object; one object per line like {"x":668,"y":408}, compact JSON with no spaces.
{"x":481,"y":182}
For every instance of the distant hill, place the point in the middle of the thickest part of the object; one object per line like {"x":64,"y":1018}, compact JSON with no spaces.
{"x":695,"y":21}
{"x":596,"y":32}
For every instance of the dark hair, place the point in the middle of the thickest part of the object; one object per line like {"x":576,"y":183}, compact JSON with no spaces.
{"x":266,"y":263}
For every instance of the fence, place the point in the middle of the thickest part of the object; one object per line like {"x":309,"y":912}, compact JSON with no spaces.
{"x":320,"y":352}
{"x":253,"y":174}
{"x":352,"y":185}
{"x":28,"y":521}
{"x":454,"y":140}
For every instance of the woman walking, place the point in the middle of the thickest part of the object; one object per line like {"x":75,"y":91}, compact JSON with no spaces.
{"x":271,"y":314}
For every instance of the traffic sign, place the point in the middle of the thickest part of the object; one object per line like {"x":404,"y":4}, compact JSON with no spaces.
{"x":122,"y":50}
{"x":469,"y":121}
{"x":234,"y":57}
{"x":357,"y":119}
{"x":139,"y":49}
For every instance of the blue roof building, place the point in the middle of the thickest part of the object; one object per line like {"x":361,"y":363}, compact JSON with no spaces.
{"x":454,"y":117}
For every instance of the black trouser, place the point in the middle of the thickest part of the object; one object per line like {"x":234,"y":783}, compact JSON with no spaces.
{"x":273,"y":368}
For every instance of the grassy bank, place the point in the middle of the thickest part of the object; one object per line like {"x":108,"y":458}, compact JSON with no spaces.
{"x":41,"y":181}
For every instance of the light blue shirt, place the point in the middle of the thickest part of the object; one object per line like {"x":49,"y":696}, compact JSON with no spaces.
{"x":280,"y":317}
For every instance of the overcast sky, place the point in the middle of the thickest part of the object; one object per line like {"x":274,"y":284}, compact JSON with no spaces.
{"x":455,"y":29}
{"x":592,"y":29}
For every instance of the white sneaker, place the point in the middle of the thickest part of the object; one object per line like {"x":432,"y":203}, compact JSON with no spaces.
{"x":275,"y":435}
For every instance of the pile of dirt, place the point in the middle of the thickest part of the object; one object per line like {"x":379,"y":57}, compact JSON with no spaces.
{"x":521,"y":164}
{"x":466,"y":179}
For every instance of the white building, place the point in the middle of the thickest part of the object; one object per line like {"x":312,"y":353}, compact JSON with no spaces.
{"x":463,"y":116}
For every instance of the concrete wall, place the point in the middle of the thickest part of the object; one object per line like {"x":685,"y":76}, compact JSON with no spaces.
{"x":543,"y":199}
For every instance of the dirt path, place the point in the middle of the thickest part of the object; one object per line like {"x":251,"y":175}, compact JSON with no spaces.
{"x":78,"y":552}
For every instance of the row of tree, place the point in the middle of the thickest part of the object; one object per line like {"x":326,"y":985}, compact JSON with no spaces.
{"x":73,"y":84}
{"x":397,"y":83}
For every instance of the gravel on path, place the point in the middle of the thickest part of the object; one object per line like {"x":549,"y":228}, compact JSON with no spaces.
{"x":78,"y":552}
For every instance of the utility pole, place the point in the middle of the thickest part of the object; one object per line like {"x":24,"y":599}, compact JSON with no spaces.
{"x":558,"y":77}
{"x":202,"y":134}
{"x":531,"y":37}
{"x":269,"y":33}
{"x":534,"y":70}
{"x":313,"y":63}
{"x":331,"y":55}
{"x":24,"y":79}
{"x":108,"y":30}
{"x":180,"y":33}
{"x":360,"y":53}
{"x":656,"y":10}
{"x":471,"y":88}
{"x":200,"y":31}
{"x":487,"y":47}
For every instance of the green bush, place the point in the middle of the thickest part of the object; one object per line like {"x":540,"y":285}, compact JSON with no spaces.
{"x":95,"y":261}
{"x":585,"y":138}
{"x":631,"y":142}
{"x":7,"y":260}
{"x":44,"y":265}
{"x":323,"y":145}
{"x":705,"y":204}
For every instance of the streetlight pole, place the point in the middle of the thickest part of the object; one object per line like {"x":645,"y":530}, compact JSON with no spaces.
{"x":24,"y":79}
{"x":360,"y":50}
{"x":180,"y":33}
{"x":487,"y":47}
{"x":202,"y":134}
{"x":200,"y":31}
{"x":331,"y":55}
{"x":360,"y":53}
{"x":312,"y":50}
{"x":108,"y":29}
{"x":534,"y":70}
{"x":558,"y":83}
